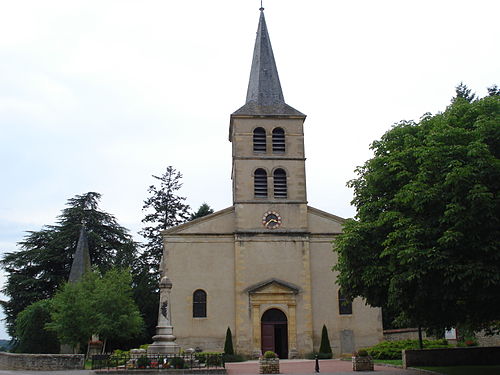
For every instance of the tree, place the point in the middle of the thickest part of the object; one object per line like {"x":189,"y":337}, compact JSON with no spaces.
{"x":165,"y":209}
{"x":204,"y":210}
{"x":43,"y":262}
{"x":228,"y":344}
{"x":325,"y":342}
{"x":463,"y":92}
{"x":32,"y":337}
{"x":425,"y":242}
{"x":96,"y":305}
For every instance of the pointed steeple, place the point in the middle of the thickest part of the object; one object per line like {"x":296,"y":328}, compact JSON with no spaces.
{"x":264,"y":94}
{"x":81,"y":259}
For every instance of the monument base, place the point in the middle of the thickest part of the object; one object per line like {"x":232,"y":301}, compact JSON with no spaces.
{"x":164,"y":342}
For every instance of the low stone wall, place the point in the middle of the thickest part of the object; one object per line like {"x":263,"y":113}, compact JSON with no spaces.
{"x":403,"y":334}
{"x":43,"y":362}
{"x":452,"y":356}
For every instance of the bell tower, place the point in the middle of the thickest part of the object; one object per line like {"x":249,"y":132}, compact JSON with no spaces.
{"x":268,"y":171}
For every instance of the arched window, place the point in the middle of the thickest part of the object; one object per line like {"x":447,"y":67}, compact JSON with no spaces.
{"x":260,"y":183}
{"x":259,"y":140}
{"x":278,"y":140}
{"x":280,"y":190}
{"x":199,"y":304}
{"x":345,"y":306}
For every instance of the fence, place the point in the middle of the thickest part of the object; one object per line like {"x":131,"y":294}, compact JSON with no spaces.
{"x":158,"y":361}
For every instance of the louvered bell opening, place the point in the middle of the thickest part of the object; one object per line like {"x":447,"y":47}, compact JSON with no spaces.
{"x":278,"y":140}
{"x":260,"y":183}
{"x":280,"y":188}
{"x":259,"y":140}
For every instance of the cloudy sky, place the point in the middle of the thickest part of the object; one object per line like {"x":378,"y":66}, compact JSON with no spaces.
{"x":100,"y":95}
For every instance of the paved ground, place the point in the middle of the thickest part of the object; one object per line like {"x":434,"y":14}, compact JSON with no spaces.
{"x":303,"y":367}
{"x":65,"y":372}
{"x":299,"y":367}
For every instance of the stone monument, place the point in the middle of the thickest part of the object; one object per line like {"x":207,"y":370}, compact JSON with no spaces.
{"x":164,"y":340}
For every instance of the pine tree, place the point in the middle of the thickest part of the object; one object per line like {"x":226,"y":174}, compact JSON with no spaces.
{"x":228,"y":344}
{"x":204,"y":210}
{"x":165,"y":209}
{"x":325,"y":342}
{"x":43,"y":262}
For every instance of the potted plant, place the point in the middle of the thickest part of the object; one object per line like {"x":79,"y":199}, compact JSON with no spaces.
{"x":269,"y":363}
{"x":361,"y":361}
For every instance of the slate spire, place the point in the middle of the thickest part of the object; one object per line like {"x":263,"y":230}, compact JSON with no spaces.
{"x":81,"y":258}
{"x":264,"y":94}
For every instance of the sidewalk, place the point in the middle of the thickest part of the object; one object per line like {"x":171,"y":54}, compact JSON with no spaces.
{"x":303,"y":367}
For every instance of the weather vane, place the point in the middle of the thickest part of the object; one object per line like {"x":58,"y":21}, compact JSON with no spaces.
{"x":261,"y":7}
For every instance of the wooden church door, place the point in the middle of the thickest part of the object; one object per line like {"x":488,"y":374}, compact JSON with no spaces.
{"x":274,"y":332}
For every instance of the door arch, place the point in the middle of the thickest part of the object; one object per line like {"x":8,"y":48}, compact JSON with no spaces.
{"x":274,"y":332}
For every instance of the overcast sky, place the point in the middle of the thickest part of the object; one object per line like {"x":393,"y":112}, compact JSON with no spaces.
{"x":100,"y":95}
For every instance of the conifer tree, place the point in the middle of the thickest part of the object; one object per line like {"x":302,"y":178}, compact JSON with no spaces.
{"x":43,"y":262}
{"x":325,"y":347}
{"x":204,"y":210}
{"x":228,"y":344}
{"x":164,"y":209}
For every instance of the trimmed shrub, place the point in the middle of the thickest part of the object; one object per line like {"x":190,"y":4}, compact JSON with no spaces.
{"x":228,"y":344}
{"x":325,"y":347}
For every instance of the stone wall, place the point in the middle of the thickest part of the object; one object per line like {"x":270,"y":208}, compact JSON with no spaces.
{"x":404,"y":334}
{"x":452,"y":356}
{"x":484,"y":340}
{"x":41,"y":362}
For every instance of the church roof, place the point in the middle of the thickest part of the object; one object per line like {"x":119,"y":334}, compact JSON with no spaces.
{"x":81,"y":259}
{"x":264,"y":94}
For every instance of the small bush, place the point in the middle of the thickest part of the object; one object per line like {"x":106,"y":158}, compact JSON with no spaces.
{"x":270,"y":354}
{"x":211,"y":359}
{"x":361,"y":353}
{"x":177,"y":362}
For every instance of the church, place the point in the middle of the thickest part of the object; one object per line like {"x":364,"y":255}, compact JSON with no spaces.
{"x":262,"y":267}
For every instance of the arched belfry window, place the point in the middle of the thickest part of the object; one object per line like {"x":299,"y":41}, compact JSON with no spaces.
{"x":345,"y":306}
{"x":259,"y":140}
{"x":278,"y":140}
{"x":199,"y":304}
{"x":260,"y":183}
{"x":280,"y":188}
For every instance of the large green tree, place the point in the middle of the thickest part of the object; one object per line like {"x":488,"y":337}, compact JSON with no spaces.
{"x":96,"y":305}
{"x":32,"y":337}
{"x":425,"y":242}
{"x":44,"y":258}
{"x":164,"y":209}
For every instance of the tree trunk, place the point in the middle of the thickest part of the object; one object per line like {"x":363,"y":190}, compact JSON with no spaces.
{"x":420,"y":342}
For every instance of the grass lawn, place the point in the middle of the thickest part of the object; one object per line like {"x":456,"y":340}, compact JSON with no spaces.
{"x":465,"y":370}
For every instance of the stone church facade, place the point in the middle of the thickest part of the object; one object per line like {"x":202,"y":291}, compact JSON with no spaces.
{"x":263,"y":266}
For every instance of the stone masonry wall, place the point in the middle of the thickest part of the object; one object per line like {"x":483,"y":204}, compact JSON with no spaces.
{"x":42,"y":362}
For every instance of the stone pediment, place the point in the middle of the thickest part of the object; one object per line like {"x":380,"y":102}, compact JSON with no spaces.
{"x":273,"y":286}
{"x":220,"y":222}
